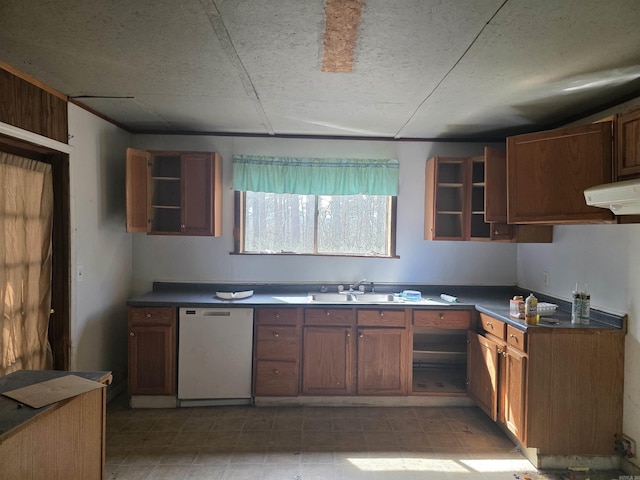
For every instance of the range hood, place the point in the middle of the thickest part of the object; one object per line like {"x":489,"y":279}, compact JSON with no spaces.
{"x":622,"y":198}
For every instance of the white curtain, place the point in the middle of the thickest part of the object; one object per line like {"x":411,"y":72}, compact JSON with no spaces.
{"x":26,"y":206}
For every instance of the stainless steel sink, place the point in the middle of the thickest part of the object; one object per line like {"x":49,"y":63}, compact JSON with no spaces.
{"x":330,"y":297}
{"x":377,"y":298}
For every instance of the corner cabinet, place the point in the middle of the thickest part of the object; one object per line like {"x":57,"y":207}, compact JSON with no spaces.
{"x":549,"y":171}
{"x":546,"y":385}
{"x":466,"y":199}
{"x":174,"y":193}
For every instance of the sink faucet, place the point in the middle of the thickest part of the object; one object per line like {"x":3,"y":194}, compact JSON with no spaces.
{"x":356,"y":285}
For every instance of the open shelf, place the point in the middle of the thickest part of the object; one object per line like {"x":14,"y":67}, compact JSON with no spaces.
{"x":439,"y":379}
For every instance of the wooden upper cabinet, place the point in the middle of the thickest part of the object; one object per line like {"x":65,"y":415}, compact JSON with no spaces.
{"x":547,"y":173}
{"x":628,"y":144}
{"x":454,"y":199}
{"x":495,"y":204}
{"x":495,"y":174}
{"x":174,"y":193}
{"x":137,"y":190}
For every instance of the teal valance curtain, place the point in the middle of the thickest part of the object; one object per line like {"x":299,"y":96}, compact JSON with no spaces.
{"x":315,"y":176}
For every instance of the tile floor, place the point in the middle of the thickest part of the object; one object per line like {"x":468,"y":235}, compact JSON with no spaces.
{"x":309,"y":443}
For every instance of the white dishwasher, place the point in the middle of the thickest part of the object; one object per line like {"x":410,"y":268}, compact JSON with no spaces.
{"x":215,"y":356}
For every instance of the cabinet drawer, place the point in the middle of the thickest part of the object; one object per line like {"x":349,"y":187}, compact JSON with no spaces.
{"x":276,"y":379}
{"x":501,"y":231}
{"x":516,"y":338}
{"x":152,"y":315}
{"x":277,"y":316}
{"x":493,"y":325}
{"x":381,"y":318}
{"x":275,"y":342}
{"x":328,"y":316}
{"x":458,"y":319}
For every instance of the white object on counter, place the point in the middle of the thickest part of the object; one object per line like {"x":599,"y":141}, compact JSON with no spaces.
{"x":448,"y":298}
{"x":234,"y":295}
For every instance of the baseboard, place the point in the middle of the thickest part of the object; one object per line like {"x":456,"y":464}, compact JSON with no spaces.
{"x":360,"y":401}
{"x":629,"y":467}
{"x":153,"y":401}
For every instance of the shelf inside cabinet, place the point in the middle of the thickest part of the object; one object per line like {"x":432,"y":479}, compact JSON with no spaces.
{"x":455,"y":348}
{"x":439,"y":379}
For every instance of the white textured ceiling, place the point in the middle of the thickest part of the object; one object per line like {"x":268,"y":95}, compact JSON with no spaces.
{"x":422,"y":68}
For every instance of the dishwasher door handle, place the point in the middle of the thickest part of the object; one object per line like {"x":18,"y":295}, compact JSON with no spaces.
{"x":214,"y":313}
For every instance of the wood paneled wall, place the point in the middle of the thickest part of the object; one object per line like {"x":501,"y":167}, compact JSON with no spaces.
{"x":25,"y":105}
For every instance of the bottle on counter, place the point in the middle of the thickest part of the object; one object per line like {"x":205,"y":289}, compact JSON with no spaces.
{"x":576,"y":305}
{"x":585,"y":309}
{"x":531,"y":310}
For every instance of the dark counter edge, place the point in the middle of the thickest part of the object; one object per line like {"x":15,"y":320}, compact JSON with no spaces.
{"x":11,"y":414}
{"x":492,"y":300}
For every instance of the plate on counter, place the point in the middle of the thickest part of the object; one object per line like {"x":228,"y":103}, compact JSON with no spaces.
{"x":234,"y":295}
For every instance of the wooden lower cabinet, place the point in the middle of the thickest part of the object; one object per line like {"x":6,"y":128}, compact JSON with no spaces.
{"x":515,"y":392}
{"x":382,"y":367}
{"x":152,"y":351}
{"x":483,"y":367}
{"x":557,"y":390}
{"x":328,"y":360}
{"x":276,"y":367}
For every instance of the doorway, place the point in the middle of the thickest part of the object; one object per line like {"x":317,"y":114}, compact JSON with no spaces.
{"x":60,"y":319}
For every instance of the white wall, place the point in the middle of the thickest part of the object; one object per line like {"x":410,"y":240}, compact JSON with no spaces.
{"x":607,"y":257}
{"x":203,"y":259}
{"x":99,"y":243}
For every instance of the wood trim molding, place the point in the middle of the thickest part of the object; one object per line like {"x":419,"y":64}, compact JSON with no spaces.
{"x":34,"y":138}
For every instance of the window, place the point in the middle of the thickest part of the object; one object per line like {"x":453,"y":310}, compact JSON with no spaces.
{"x":315,"y":206}
{"x":356,"y":225}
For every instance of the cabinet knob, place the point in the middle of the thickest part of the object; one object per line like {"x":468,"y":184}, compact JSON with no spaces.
{"x":361,"y":335}
{"x":348,"y":334}
{"x":504,"y":354}
{"x":495,"y":232}
{"x":131,"y":334}
{"x":381,"y":313}
{"x":511,"y":335}
{"x":277,"y":315}
{"x":327,"y":313}
{"x":442,"y":316}
{"x":499,"y":351}
{"x":275,"y":334}
{"x":148,"y":315}
{"x":182,"y":226}
{"x":489,"y":324}
{"x":276,"y":372}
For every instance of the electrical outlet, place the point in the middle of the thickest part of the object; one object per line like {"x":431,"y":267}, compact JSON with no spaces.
{"x":545,"y":279}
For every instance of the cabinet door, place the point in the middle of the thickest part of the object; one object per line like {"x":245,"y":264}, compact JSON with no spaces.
{"x":547,"y":173}
{"x":495,"y":200}
{"x":446,"y":199}
{"x":137,"y":190}
{"x":514,"y":392}
{"x":628,"y":128}
{"x":197,"y":193}
{"x":483,"y":358}
{"x":327,"y":361}
{"x":152,"y":364}
{"x":382,"y":367}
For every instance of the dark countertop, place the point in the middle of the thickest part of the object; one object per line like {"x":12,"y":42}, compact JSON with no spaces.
{"x":12,"y":415}
{"x":492,"y":300}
